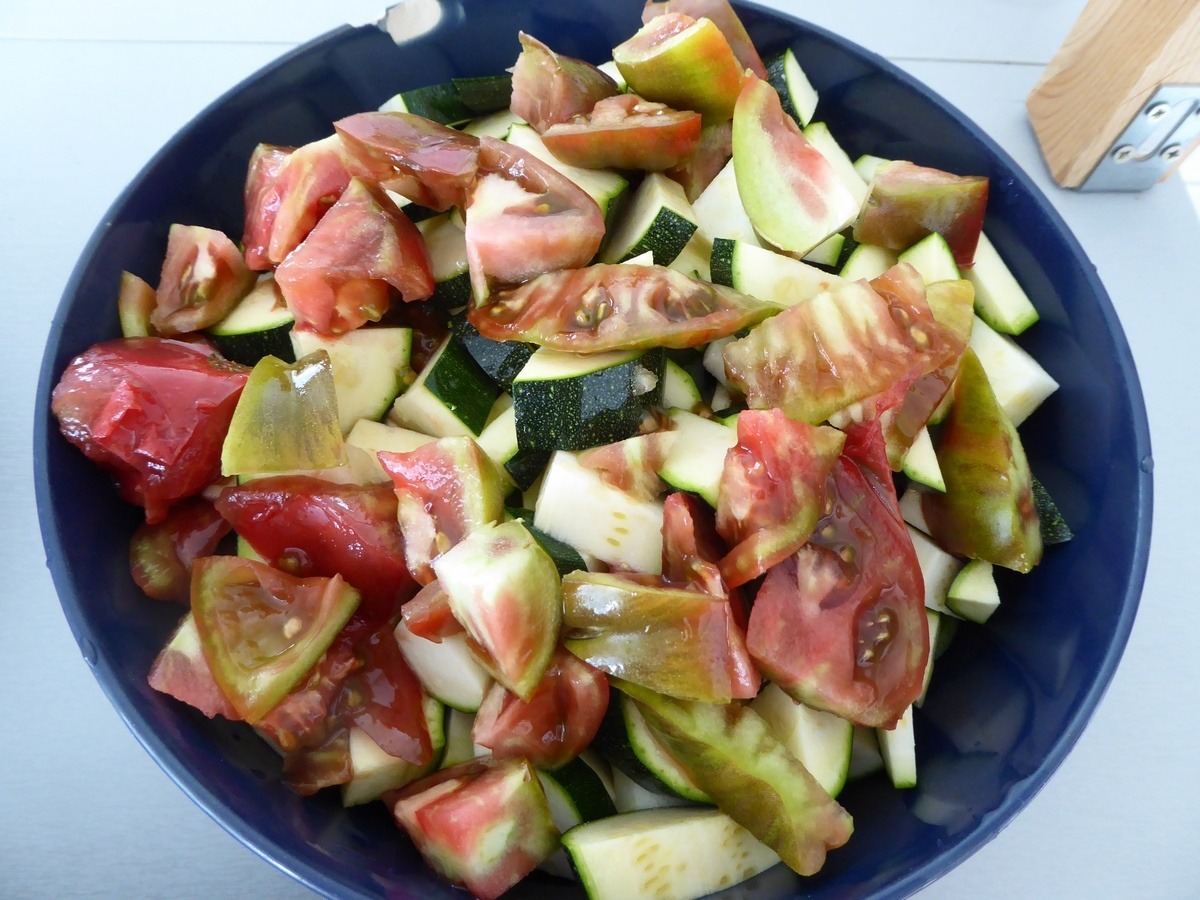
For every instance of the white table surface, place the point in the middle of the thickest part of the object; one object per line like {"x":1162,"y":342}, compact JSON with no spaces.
{"x":89,"y":90}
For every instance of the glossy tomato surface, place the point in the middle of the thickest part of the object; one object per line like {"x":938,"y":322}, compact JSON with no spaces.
{"x":1044,"y":659}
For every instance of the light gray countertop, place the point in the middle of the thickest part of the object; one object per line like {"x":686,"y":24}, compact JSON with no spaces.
{"x":90,"y":91}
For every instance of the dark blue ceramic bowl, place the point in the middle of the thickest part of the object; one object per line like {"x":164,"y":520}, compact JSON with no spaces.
{"x":1007,"y":702}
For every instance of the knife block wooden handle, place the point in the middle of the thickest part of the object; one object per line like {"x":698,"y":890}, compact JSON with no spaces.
{"x":1116,"y":56}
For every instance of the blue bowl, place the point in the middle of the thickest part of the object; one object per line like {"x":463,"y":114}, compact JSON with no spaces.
{"x":1009,"y":700}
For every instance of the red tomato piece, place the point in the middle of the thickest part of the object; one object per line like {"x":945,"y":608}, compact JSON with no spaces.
{"x":338,"y":278}
{"x":841,"y":624}
{"x":429,"y":163}
{"x":203,"y":278}
{"x":311,"y":527}
{"x":181,"y":671}
{"x":161,"y":555}
{"x":484,"y":824}
{"x":305,"y":718}
{"x":712,"y":152}
{"x":153,"y":412}
{"x":558,"y":721}
{"x":263,"y":196}
{"x":525,"y":218}
{"x":310,"y":182}
{"x":549,"y":88}
{"x":626,"y":132}
{"x":261,"y":630}
{"x":617,"y":307}
{"x":631,"y":465}
{"x":428,"y":614}
{"x":692,"y":551}
{"x":722,"y":14}
{"x":386,"y":700}
{"x":772,"y":490}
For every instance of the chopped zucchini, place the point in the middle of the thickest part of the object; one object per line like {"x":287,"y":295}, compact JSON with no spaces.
{"x":898,"y":748}
{"x":931,"y":257}
{"x":451,"y":397}
{"x":260,"y":325}
{"x":819,"y":136}
{"x":719,"y":210}
{"x":796,"y":92}
{"x":938,"y":569}
{"x":501,"y":360}
{"x":999,"y":299}
{"x":1020,"y":384}
{"x":679,"y":388}
{"x":973,"y":595}
{"x":867,"y":261}
{"x":446,"y":244}
{"x":828,"y":252}
{"x":697,"y":456}
{"x":921,"y":463}
{"x":376,"y":771}
{"x":499,"y":441}
{"x":767,"y":275}
{"x":658,"y":219}
{"x":370,"y":368}
{"x":1055,"y":529}
{"x":820,"y":740}
{"x":448,"y":671}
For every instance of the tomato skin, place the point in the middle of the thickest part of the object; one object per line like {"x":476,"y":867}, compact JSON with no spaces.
{"x":841,"y":624}
{"x":626,"y":132}
{"x":337,"y":279}
{"x":772,"y":490}
{"x":692,"y":551}
{"x":161,"y":555}
{"x":311,"y":527}
{"x":558,"y":721}
{"x":262,"y":197}
{"x":617,"y":307}
{"x":203,"y":278}
{"x":430,"y":164}
{"x":724,"y":17}
{"x":549,"y":88}
{"x":387,"y":702}
{"x":153,"y":412}
{"x":262,"y":631}
{"x":306,"y":717}
{"x":428,"y":614}
{"x":310,"y":182}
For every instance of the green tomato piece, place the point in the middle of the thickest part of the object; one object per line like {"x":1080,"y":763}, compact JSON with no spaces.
{"x":135,"y":303}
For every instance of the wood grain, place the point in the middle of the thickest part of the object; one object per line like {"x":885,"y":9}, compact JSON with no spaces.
{"x":1113,"y":60}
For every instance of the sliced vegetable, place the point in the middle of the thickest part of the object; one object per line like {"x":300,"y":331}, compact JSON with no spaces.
{"x":549,"y":88}
{"x":796,"y":93}
{"x":452,"y":397}
{"x":999,"y":297}
{"x":820,"y":740}
{"x":1021,"y":385}
{"x":898,"y":748}
{"x":370,"y":368}
{"x":203,"y":278}
{"x":1054,"y":527}
{"x":181,"y":671}
{"x":722,"y":14}
{"x":374,"y":771}
{"x":692,"y":550}
{"x":262,"y":196}
{"x":161,"y":555}
{"x":973,"y":594}
{"x":260,"y":325}
{"x":769,"y":276}
{"x":626,"y":132}
{"x":659,"y":221}
{"x":309,"y":182}
{"x":713,"y":151}
{"x":719,"y":209}
{"x":819,"y":135}
{"x":447,"y":669}
{"x":135,"y":305}
{"x":501,"y":360}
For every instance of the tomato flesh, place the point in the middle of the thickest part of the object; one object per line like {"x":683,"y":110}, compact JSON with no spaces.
{"x":428,"y":614}
{"x":558,"y":721}
{"x":631,"y":465}
{"x":303,"y":719}
{"x":692,"y":551}
{"x":387,"y":701}
{"x":626,"y":132}
{"x":721,"y":14}
{"x":712,"y":152}
{"x":203,"y":278}
{"x":262,"y":196}
{"x":262,"y":630}
{"x":617,"y":307}
{"x":181,"y":671}
{"x":338,"y":278}
{"x":309,"y":182}
{"x":549,"y":88}
{"x":153,"y":412}
{"x":161,"y":555}
{"x":841,"y":624}
{"x":307,"y":527}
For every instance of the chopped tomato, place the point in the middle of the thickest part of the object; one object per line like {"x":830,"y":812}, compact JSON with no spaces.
{"x":549,"y":88}
{"x":307,"y":770}
{"x":310,"y":182}
{"x":631,"y":465}
{"x":262,"y":631}
{"x":692,"y":551}
{"x":626,"y":132}
{"x":677,"y":642}
{"x":338,"y":278}
{"x":722,"y":14}
{"x":428,"y":614}
{"x":446,"y":489}
{"x":429,"y":163}
{"x":386,"y":701}
{"x":203,"y":278}
{"x":525,"y":218}
{"x":304,"y":718}
{"x":484,"y":824}
{"x":772,"y":490}
{"x":153,"y":412}
{"x":263,"y":196}
{"x":558,"y":721}
{"x":161,"y":555}
{"x":841,"y":624}
{"x":617,"y":307}
{"x":181,"y":671}
{"x":712,"y":152}
{"x":308,"y":526}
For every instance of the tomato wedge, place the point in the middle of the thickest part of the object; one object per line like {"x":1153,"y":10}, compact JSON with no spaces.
{"x":841,"y":624}
{"x":618,"y":307}
{"x":692,"y":551}
{"x":261,"y":630}
{"x":153,"y":412}
{"x":712,"y":152}
{"x":631,"y":465}
{"x":428,"y":614}
{"x":626,"y":132}
{"x":772,"y":490}
{"x":307,"y":527}
{"x":161,"y":555}
{"x":429,"y":163}
{"x":724,"y":17}
{"x":310,"y":181}
{"x":303,"y":718}
{"x":203,"y":278}
{"x":524,"y":218}
{"x":484,"y":824}
{"x":558,"y":721}
{"x":677,"y":642}
{"x":387,"y":702}
{"x":338,"y":278}
{"x":181,"y":671}
{"x":549,"y":88}
{"x":263,"y":196}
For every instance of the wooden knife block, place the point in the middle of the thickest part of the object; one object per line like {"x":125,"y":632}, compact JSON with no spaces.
{"x":1105,"y":75}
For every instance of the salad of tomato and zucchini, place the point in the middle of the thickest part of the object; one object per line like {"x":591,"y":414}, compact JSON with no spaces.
{"x":532,"y":464}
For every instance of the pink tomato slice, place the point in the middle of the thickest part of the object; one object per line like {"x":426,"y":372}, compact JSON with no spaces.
{"x":631,"y":465}
{"x":711,"y":155}
{"x":263,"y":196}
{"x":721,"y":14}
{"x":549,"y":88}
{"x":386,"y":700}
{"x":428,"y":614}
{"x":626,"y":132}
{"x":181,"y":671}
{"x":306,"y":716}
{"x":309,"y":182}
{"x":203,"y":278}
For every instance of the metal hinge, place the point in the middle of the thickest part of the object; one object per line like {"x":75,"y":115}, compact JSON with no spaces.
{"x":1152,"y":143}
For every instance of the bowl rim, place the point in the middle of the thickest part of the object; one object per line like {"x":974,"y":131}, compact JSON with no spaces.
{"x":310,"y":875}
